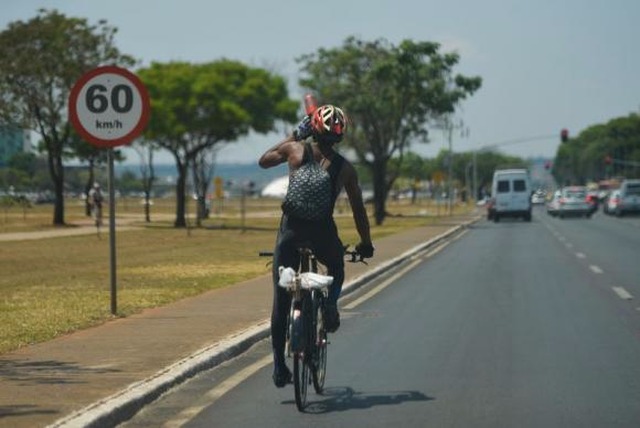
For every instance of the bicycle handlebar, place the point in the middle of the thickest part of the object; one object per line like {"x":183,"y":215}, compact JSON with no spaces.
{"x":351,"y":256}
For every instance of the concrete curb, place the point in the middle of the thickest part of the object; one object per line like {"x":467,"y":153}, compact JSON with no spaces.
{"x":119,"y":407}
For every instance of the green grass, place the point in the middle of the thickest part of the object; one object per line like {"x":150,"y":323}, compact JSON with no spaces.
{"x":55,"y":286}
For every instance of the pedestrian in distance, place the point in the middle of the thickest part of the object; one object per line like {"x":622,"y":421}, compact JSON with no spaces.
{"x":308,"y":215}
{"x":96,"y":199}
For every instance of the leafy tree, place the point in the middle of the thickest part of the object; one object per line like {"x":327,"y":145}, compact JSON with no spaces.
{"x":40,"y":61}
{"x":392,"y":93}
{"x":196,"y":107}
{"x":582,"y":158}
{"x":146,"y":151}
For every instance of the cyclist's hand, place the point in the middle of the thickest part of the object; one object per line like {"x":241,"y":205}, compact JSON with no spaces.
{"x":365,"y":250}
{"x":303,"y":130}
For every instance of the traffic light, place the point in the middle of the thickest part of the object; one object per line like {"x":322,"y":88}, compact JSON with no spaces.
{"x":547,"y":165}
{"x":564,"y":135}
{"x":608,"y":160}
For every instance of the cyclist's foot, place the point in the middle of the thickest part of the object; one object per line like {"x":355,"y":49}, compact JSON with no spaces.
{"x":331,"y":318}
{"x":282,"y":376}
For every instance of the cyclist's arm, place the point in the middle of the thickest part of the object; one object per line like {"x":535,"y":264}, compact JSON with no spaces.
{"x":352,"y":187}
{"x":277,"y":154}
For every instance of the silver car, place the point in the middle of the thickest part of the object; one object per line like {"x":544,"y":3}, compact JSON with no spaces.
{"x":573,"y":202}
{"x":629,"y":200}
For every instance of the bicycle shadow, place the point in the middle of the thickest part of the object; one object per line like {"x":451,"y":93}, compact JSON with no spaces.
{"x":340,"y":399}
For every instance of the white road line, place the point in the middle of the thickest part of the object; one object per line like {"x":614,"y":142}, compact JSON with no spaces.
{"x":215,"y":393}
{"x":622,"y":293}
{"x":595,"y":269}
{"x":562,"y":238}
{"x":580,"y":255}
{"x":569,"y":245}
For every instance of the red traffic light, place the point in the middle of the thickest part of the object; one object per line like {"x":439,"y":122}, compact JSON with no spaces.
{"x":608,"y":160}
{"x":564,"y":135}
{"x":547,"y":165}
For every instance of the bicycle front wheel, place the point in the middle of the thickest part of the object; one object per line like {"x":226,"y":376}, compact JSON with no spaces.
{"x":320,"y":347}
{"x":300,"y":379}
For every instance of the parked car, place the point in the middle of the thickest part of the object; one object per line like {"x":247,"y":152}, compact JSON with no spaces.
{"x":629,"y":201}
{"x":573,"y":202}
{"x":554,"y":203}
{"x":511,"y":194}
{"x":611,"y":202}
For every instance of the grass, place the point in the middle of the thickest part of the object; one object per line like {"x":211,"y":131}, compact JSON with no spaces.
{"x":55,"y":286}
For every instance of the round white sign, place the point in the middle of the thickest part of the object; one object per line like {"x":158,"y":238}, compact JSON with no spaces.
{"x":109,"y":106}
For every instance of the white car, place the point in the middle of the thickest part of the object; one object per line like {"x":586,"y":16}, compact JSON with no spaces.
{"x":573,"y":202}
{"x":554,"y":204}
{"x":611,"y":204}
{"x":629,"y":200}
{"x":510,"y":192}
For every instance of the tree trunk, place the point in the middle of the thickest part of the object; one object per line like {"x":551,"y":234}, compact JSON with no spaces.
{"x":181,"y":187}
{"x":147,"y":207}
{"x":379,"y":174}
{"x":57,"y":175}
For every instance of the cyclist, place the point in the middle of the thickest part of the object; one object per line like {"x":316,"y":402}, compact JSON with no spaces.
{"x":326,"y":125}
{"x":95,"y":199}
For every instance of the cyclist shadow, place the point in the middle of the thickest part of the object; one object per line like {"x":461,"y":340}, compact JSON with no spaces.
{"x":340,"y":399}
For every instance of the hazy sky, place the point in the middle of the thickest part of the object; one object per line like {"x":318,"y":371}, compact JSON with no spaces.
{"x":545,"y":64}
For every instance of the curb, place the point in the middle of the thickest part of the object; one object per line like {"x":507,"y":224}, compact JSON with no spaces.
{"x":121,"y":406}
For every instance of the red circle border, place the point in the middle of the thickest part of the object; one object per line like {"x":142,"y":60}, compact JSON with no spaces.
{"x":137,"y":130}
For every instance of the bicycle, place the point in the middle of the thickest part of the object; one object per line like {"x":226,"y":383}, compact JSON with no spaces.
{"x":306,"y":340}
{"x":306,"y":335}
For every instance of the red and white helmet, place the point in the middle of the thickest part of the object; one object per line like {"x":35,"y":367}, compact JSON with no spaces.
{"x":329,"y":120}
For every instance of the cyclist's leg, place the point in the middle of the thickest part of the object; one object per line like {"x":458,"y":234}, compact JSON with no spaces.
{"x":330,"y":252}
{"x":284,"y":255}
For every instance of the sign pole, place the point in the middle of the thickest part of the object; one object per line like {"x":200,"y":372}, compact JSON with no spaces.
{"x":112,"y":234}
{"x":109,"y":106}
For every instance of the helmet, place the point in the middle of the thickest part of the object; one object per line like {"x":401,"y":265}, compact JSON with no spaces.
{"x":329,"y":123}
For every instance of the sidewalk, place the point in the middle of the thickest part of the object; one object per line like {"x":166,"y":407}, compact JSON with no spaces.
{"x":104,"y":374}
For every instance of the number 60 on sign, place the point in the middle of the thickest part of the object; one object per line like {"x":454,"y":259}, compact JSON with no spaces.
{"x":109,"y":106}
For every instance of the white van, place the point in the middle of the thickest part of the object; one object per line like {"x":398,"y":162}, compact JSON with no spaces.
{"x":511,"y":194}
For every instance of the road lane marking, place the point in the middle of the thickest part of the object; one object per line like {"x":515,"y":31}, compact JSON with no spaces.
{"x":580,"y":255}
{"x":569,"y":245}
{"x":595,"y":269}
{"x":215,"y":393}
{"x":622,"y":293}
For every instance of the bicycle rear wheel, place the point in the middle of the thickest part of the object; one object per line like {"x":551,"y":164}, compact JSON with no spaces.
{"x":320,"y":347}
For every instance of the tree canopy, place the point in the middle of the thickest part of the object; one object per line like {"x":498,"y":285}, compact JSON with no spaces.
{"x":391,"y":93}
{"x":40,"y":61}
{"x":601,"y":151}
{"x":195,"y":107}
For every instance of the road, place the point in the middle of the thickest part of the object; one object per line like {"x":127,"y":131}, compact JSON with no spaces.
{"x":514,"y":324}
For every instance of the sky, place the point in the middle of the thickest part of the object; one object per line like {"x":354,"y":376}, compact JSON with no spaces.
{"x":545,"y":64}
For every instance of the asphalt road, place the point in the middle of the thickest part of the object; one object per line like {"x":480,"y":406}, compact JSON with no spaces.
{"x":512,"y":325}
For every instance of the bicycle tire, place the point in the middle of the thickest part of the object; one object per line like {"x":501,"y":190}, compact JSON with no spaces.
{"x":319,"y":371}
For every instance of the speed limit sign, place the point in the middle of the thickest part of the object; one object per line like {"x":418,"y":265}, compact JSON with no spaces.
{"x":109,"y":106}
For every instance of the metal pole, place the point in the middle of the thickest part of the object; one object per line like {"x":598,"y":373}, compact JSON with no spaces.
{"x":112,"y":234}
{"x":475,"y":175}
{"x":450,"y":182}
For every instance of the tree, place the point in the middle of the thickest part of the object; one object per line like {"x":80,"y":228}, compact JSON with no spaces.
{"x":40,"y":60}
{"x":146,"y":151}
{"x":582,"y":158}
{"x":196,"y":107}
{"x":391,"y":93}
